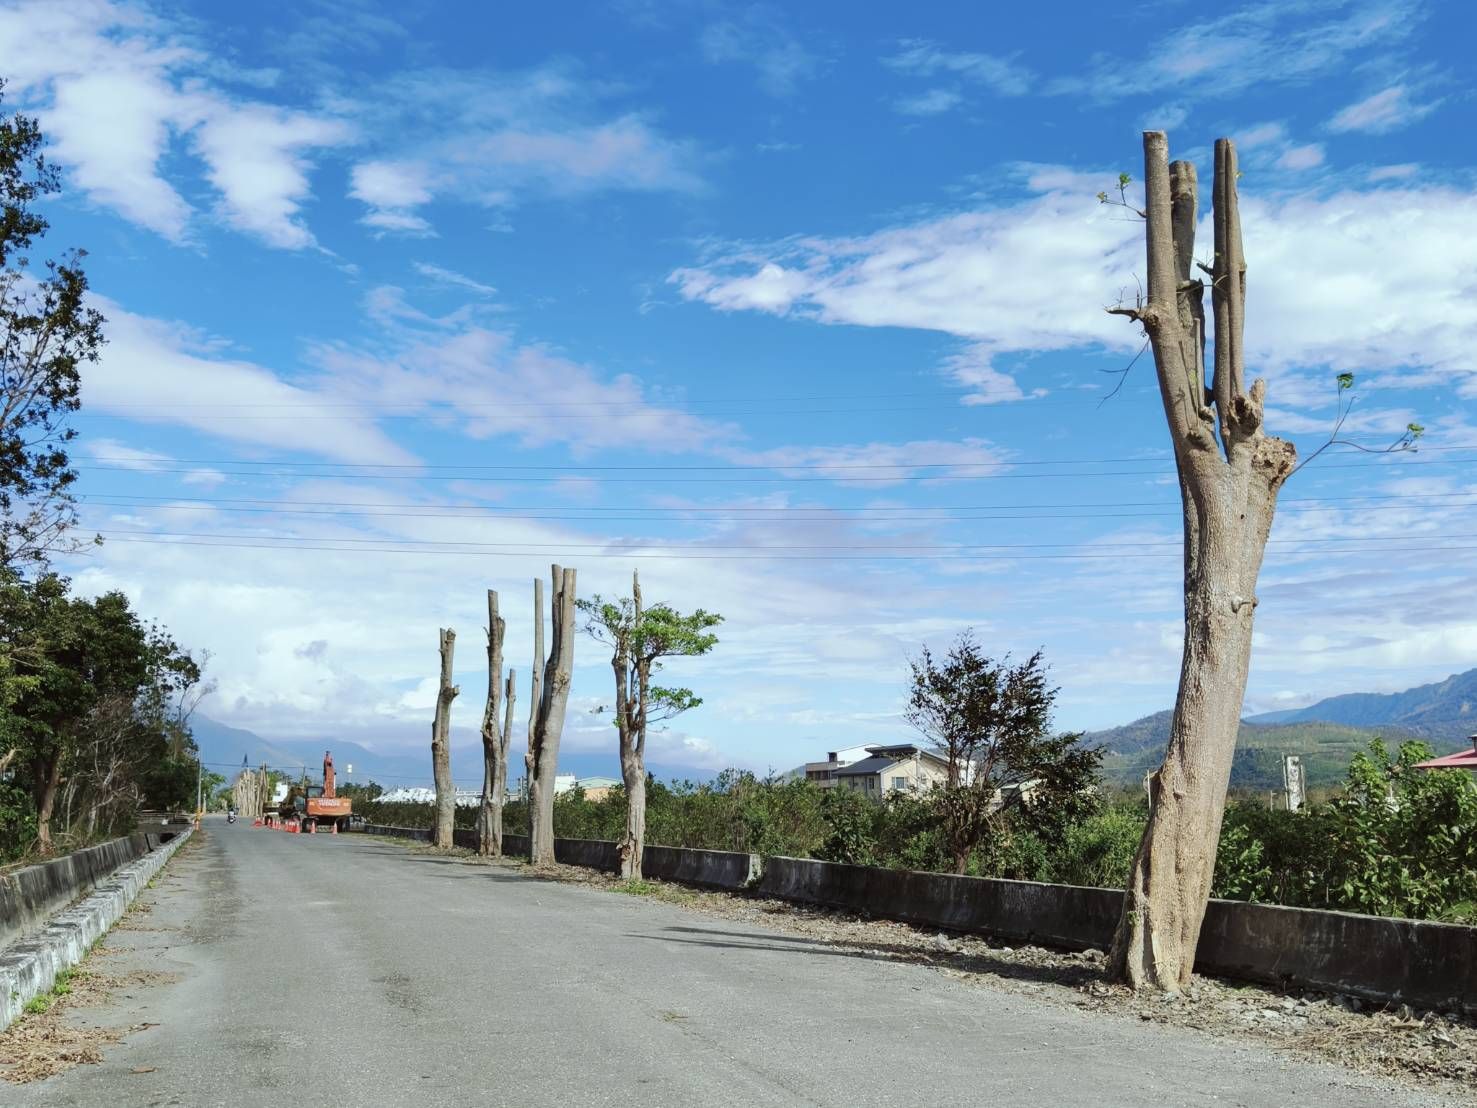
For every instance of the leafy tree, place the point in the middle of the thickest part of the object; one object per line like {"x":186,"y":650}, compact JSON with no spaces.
{"x":640,"y":638}
{"x":99,"y":719}
{"x":989,"y":720}
{"x":46,"y":332}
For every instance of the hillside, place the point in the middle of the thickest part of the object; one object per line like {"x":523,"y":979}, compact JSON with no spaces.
{"x":1325,"y":748}
{"x":1445,"y":712}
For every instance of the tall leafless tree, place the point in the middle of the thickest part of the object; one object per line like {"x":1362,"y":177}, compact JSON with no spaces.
{"x":441,"y":744}
{"x":495,"y":736}
{"x":546,"y":708}
{"x":1229,"y":474}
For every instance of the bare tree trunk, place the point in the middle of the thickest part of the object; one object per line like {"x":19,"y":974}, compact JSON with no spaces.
{"x":546,"y":710}
{"x":494,"y":739}
{"x":1230,"y":473}
{"x":47,"y":785}
{"x":441,"y":745}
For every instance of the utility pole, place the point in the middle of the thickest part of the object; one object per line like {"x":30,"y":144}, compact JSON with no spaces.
{"x":199,"y":797}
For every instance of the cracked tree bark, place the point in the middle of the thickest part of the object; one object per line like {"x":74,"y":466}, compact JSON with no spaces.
{"x":441,"y":745}
{"x":547,"y":705}
{"x":495,"y":736}
{"x":1229,"y":476}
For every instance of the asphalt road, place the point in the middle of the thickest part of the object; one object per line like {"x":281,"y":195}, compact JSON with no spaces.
{"x":348,"y":971}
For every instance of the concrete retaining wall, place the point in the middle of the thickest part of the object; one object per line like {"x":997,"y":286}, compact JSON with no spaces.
{"x":29,"y":967}
{"x":29,"y":896}
{"x":1391,"y":961}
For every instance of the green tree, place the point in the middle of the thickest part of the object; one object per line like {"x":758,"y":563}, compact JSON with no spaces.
{"x":989,"y":721}
{"x":99,"y":718}
{"x":46,"y":332}
{"x":640,"y":638}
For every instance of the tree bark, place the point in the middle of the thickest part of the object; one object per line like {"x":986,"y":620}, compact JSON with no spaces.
{"x":494,"y":739}
{"x":547,"y":707}
{"x":441,"y":745}
{"x":48,"y":780}
{"x":631,"y":705}
{"x":1229,"y":473}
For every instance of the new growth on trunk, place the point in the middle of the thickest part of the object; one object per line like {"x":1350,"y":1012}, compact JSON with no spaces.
{"x":441,"y":744}
{"x":639,"y":638}
{"x":1229,"y":476}
{"x":546,"y":708}
{"x":495,"y":736}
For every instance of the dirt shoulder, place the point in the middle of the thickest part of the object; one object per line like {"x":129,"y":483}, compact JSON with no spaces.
{"x":1429,"y":1048}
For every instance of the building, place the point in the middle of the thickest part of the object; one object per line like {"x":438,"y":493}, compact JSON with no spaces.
{"x":597,"y":788}
{"x":824,"y":773}
{"x":905,"y":767}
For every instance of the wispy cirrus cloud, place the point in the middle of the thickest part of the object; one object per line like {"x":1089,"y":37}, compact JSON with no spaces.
{"x":1385,"y":111}
{"x":758,"y":37}
{"x":488,"y":139}
{"x":1258,"y":44}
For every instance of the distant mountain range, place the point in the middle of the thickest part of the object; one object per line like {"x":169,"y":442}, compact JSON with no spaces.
{"x":1326,"y":734}
{"x":222,"y":749}
{"x":1441,"y":711}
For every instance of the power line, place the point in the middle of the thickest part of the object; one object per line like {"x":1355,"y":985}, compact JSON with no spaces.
{"x":791,"y":514}
{"x":672,"y":467}
{"x":520,"y":479}
{"x":852,"y":553}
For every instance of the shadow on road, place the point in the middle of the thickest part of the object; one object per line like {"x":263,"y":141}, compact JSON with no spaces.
{"x":1070,"y":976}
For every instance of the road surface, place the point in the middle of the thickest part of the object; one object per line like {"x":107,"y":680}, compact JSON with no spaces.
{"x":350,"y":971}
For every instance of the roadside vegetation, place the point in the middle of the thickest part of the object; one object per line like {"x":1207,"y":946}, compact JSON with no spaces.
{"x":94,"y":699}
{"x":1396,"y":841}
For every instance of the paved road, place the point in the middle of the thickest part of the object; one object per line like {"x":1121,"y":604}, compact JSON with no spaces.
{"x":348,"y":971}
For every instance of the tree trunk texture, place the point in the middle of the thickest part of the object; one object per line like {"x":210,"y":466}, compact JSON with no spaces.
{"x":1230,"y":473}
{"x":550,"y":699}
{"x":441,"y":745}
{"x":48,"y":781}
{"x":630,"y":707}
{"x":494,"y":739}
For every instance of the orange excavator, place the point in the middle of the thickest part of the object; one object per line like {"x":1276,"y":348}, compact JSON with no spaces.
{"x":315,"y":806}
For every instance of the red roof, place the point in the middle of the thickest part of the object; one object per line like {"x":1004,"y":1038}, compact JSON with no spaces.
{"x":1462,"y":759}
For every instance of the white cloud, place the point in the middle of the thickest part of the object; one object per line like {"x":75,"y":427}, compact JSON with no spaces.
{"x":927,"y":59}
{"x":256,"y":160}
{"x":1268,"y":43}
{"x":115,"y":86}
{"x":1299,"y":158}
{"x":935,"y":101}
{"x":493,"y":137}
{"x":153,"y":371}
{"x":880,"y":464}
{"x":1345,"y":280}
{"x":444,"y":276}
{"x":758,"y":39}
{"x":492,"y":386}
{"x":1381,"y":113}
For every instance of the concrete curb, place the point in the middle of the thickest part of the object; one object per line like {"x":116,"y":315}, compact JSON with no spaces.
{"x":29,"y":968}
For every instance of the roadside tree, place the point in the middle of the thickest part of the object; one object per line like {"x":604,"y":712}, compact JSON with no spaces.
{"x":47,"y":332}
{"x":546,"y":708}
{"x":640,"y":638}
{"x":1230,"y":472}
{"x":989,"y":721}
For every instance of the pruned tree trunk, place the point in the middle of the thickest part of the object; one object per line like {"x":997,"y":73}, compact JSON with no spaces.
{"x":551,"y":679}
{"x":631,"y":724}
{"x":441,"y":745}
{"x":1229,"y":473}
{"x":495,"y":735}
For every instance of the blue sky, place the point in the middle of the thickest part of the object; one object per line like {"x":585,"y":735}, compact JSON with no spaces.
{"x":797,"y":308}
